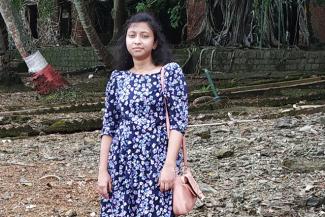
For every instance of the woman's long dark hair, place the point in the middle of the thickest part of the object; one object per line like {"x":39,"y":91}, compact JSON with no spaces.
{"x":160,"y":56}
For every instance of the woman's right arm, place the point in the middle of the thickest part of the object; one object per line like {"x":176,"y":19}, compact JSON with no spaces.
{"x":104,"y":178}
{"x":110,"y":121}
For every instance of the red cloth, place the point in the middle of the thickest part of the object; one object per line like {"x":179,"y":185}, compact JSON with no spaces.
{"x":48,"y":80}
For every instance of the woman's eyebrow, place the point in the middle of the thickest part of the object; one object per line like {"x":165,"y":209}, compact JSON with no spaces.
{"x":134,"y":31}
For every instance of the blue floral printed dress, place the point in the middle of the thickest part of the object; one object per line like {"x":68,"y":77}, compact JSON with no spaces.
{"x":135,"y":118}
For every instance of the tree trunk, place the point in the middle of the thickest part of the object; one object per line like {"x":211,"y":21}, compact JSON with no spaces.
{"x":196,"y":18}
{"x":44,"y":77}
{"x":3,"y":36}
{"x":7,"y":78}
{"x":118,"y":15}
{"x":12,"y":22}
{"x":93,"y":38}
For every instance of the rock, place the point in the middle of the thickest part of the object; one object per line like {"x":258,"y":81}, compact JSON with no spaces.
{"x":7,"y":195}
{"x":322,"y":121}
{"x":210,"y":202}
{"x":309,"y":187}
{"x":201,"y":117}
{"x":204,"y":134}
{"x":304,"y":165}
{"x":31,"y":206}
{"x":205,"y":188}
{"x":89,"y":142}
{"x":199,"y":204}
{"x":230,"y":205}
{"x":223,"y":153}
{"x":246,"y":132}
{"x":308,"y":129}
{"x":70,"y":213}
{"x":222,"y":129}
{"x":4,"y":120}
{"x":285,"y":122}
{"x":314,"y":201}
{"x":238,"y":197}
{"x":25,"y":182}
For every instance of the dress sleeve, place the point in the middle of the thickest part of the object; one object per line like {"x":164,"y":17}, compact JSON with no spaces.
{"x":177,"y":97}
{"x":111,"y":114}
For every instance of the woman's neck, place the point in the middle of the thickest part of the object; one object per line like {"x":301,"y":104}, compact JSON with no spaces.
{"x":143,"y":66}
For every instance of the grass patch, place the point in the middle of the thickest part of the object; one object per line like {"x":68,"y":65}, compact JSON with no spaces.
{"x":62,"y":96}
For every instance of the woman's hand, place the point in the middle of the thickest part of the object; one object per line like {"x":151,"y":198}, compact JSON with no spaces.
{"x":104,"y":184}
{"x":167,"y":178}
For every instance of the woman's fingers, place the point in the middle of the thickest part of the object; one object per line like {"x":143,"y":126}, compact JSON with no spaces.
{"x":165,"y":185}
{"x":109,"y":185}
{"x":104,"y":185}
{"x":102,"y":190}
{"x":161,"y":186}
{"x":166,"y":179}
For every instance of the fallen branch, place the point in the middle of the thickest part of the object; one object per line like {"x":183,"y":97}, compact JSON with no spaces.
{"x":223,"y":123}
{"x":302,"y":107}
{"x":273,"y":86}
{"x":16,"y":163}
{"x":202,"y":100}
{"x":50,"y":176}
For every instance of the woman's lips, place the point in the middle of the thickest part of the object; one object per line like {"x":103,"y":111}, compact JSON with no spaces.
{"x":137,"y":48}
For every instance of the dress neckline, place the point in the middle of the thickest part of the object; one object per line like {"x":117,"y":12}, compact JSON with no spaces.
{"x":146,"y":74}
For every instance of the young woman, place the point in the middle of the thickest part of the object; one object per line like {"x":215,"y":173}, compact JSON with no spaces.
{"x":138,"y":162}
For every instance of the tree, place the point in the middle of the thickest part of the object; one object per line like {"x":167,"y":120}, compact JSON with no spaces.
{"x":93,"y":38}
{"x":44,"y":77}
{"x":15,"y":28}
{"x":7,"y":78}
{"x":3,"y":36}
{"x":262,"y":23}
{"x":119,"y":16}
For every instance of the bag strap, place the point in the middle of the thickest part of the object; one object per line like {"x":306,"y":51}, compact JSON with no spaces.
{"x":162,"y":79}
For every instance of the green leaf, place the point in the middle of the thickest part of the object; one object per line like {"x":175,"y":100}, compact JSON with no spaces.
{"x":175,"y":15}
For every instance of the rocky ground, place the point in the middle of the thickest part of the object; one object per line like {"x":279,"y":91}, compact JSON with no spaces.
{"x":247,"y":162}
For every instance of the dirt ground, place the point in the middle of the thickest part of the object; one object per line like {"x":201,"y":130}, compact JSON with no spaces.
{"x":246,"y":165}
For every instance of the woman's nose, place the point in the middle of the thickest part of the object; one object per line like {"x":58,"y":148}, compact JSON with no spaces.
{"x":137,"y":40}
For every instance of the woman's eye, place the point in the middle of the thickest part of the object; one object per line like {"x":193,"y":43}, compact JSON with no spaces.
{"x":132,"y":36}
{"x":145,"y":36}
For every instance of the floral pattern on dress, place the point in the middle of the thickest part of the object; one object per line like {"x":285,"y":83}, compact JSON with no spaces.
{"x":135,"y":118}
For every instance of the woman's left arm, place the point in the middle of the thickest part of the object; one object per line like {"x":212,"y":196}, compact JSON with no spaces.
{"x":168,"y":172}
{"x":177,"y":105}
{"x":174,"y":144}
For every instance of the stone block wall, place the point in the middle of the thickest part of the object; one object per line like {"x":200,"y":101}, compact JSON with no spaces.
{"x":226,"y":63}
{"x":71,"y":58}
{"x":263,"y":63}
{"x":66,"y":58}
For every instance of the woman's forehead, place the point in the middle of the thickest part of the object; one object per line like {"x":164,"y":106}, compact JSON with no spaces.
{"x":139,"y":27}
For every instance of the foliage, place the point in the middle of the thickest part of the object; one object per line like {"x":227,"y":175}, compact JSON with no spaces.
{"x":203,"y":88}
{"x":175,"y":15}
{"x":17,"y":4}
{"x":150,"y":5}
{"x":46,"y":8}
{"x":320,"y":2}
{"x":174,"y":12}
{"x":65,"y":95}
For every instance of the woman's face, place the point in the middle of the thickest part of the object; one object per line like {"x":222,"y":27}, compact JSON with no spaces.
{"x":140,"y":40}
